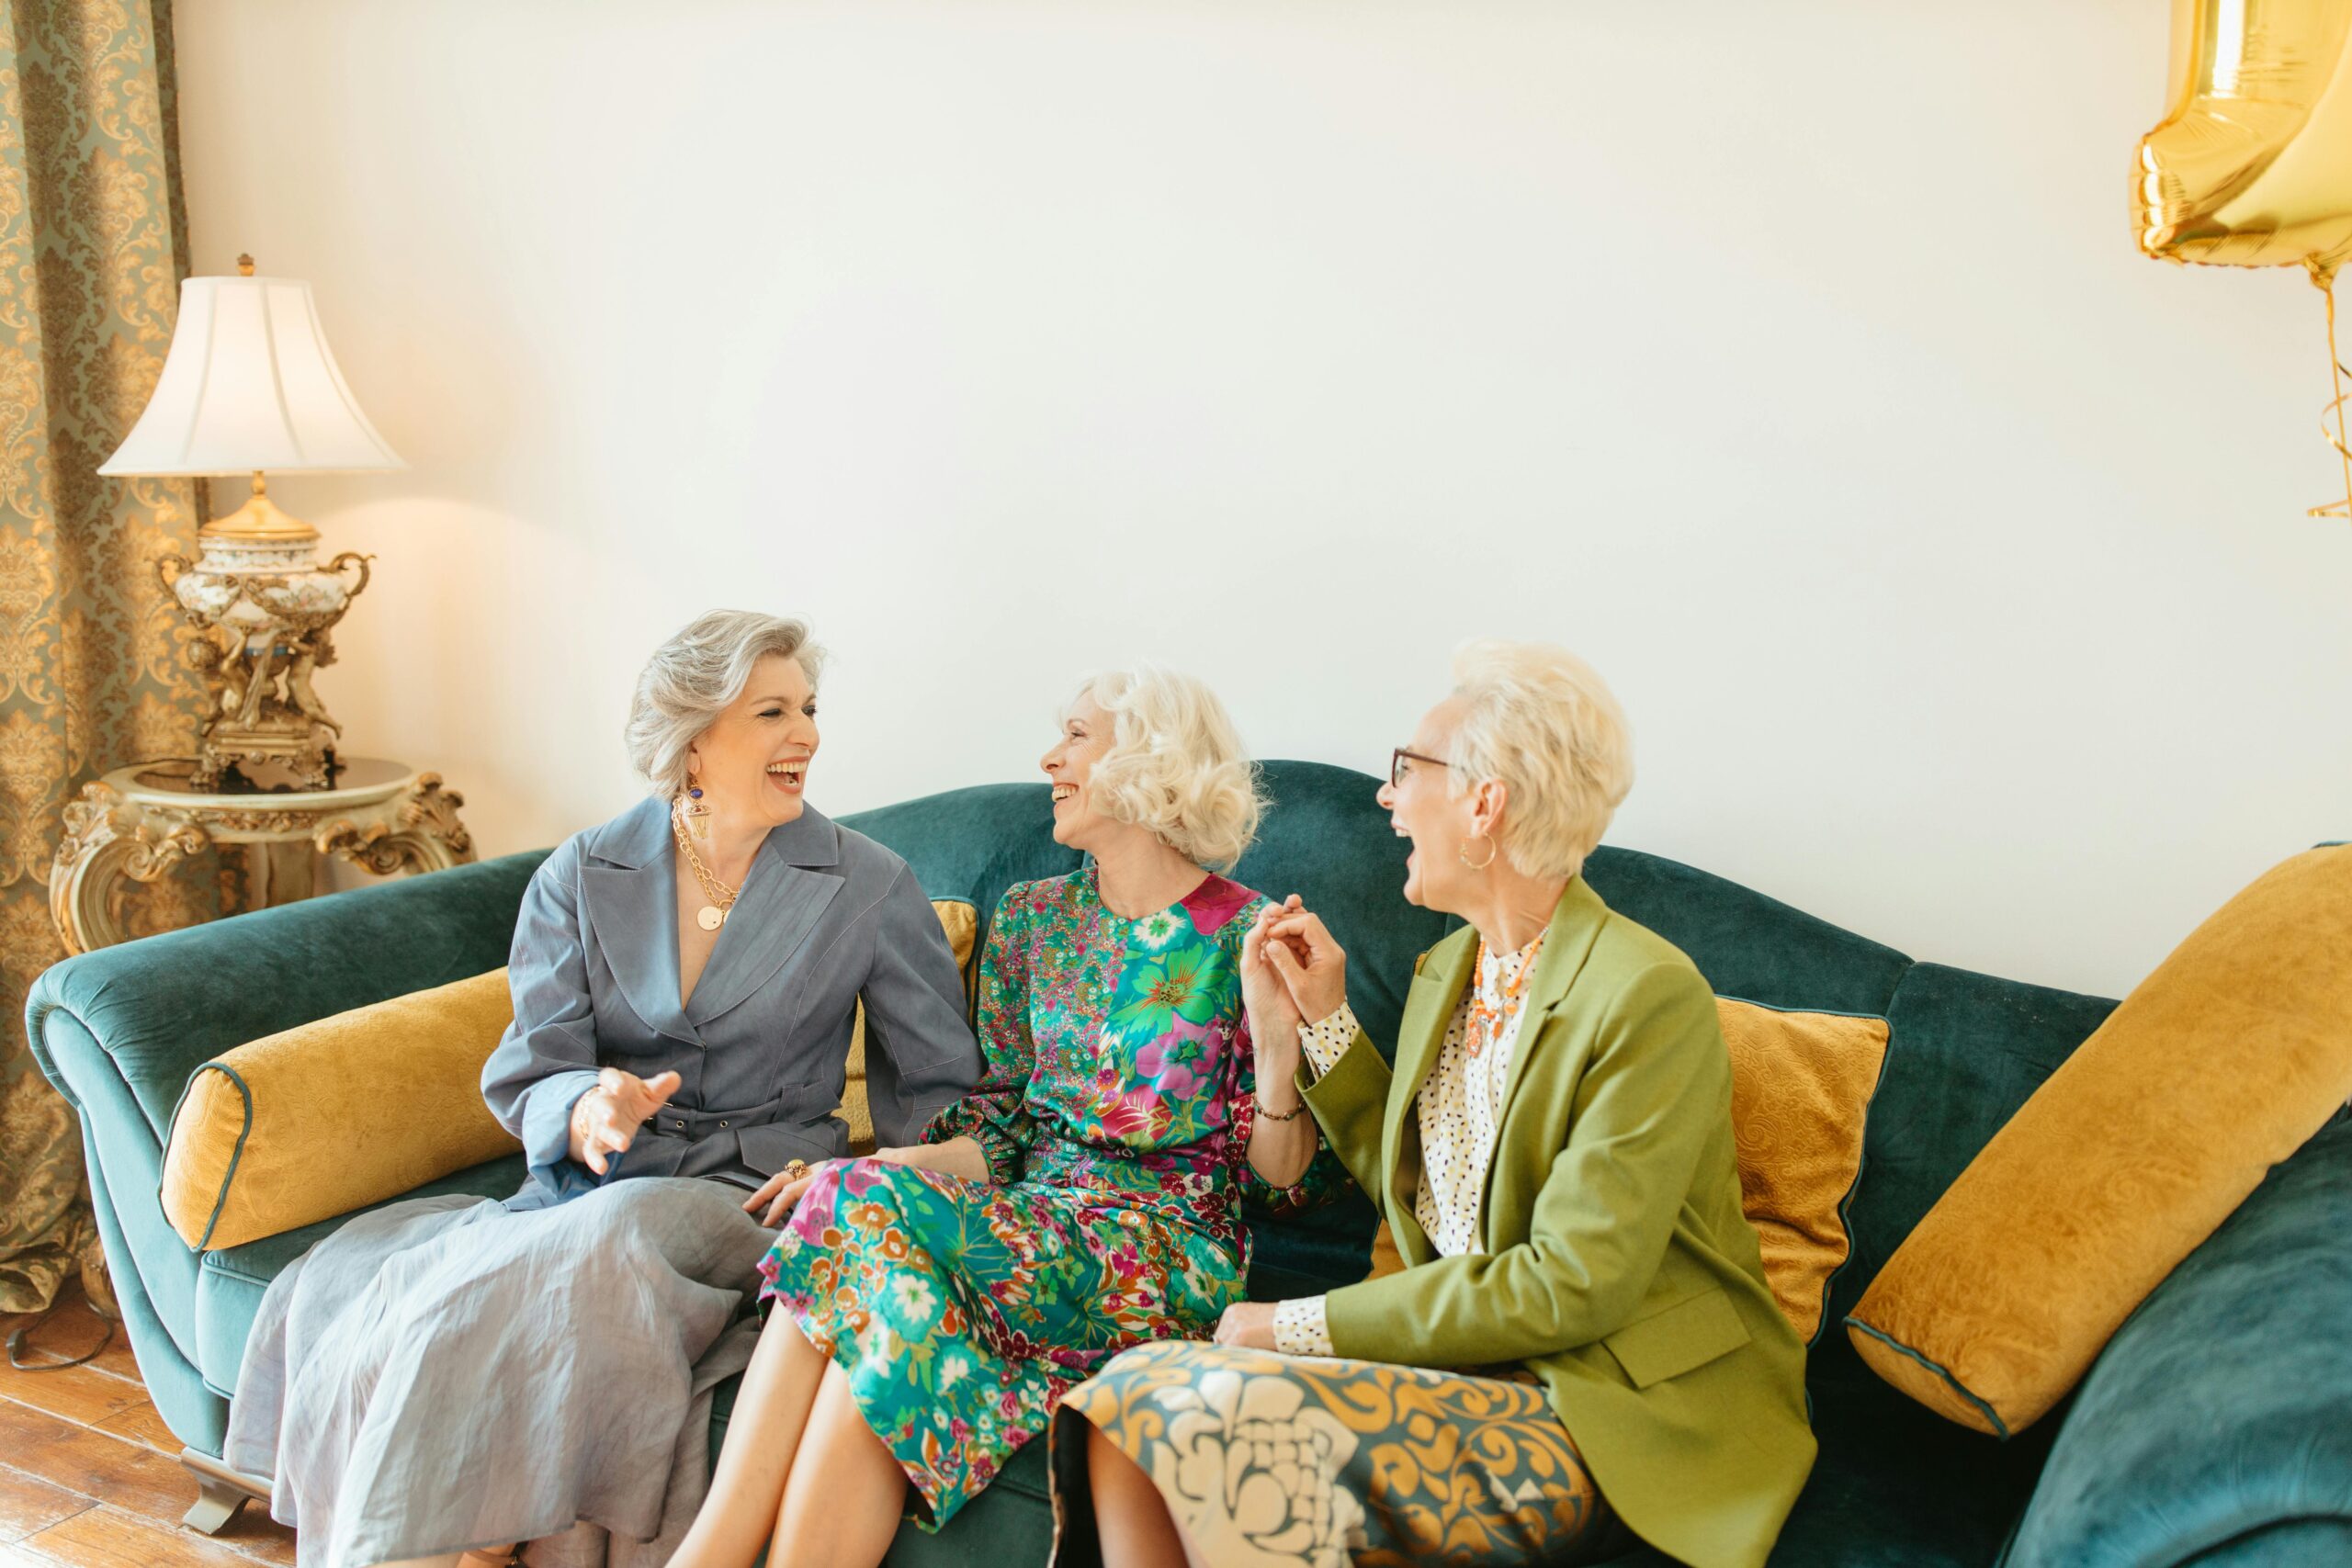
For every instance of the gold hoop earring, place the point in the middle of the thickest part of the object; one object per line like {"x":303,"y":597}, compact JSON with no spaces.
{"x":1462,"y":854}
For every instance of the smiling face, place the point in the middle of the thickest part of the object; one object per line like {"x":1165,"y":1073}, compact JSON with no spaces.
{"x":752,"y":762}
{"x":1086,"y":738}
{"x":1422,"y":809}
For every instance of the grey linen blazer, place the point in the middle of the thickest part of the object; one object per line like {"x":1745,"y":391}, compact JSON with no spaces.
{"x":826,"y":917}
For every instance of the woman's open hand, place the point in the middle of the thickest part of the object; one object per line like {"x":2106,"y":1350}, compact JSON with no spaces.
{"x":604,"y":1120}
{"x":1313,"y":967}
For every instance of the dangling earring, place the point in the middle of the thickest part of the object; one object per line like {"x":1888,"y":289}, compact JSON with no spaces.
{"x":695,"y":809}
{"x":1462,"y":854}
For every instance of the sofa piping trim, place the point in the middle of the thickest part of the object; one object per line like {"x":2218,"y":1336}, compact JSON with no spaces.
{"x":2000,"y":1427}
{"x":228,"y":1177}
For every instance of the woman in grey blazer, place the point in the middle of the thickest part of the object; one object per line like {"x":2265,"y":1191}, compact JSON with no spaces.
{"x":448,"y":1372}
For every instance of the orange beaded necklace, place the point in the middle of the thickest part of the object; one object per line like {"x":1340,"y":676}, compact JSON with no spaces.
{"x":1486,"y":1021}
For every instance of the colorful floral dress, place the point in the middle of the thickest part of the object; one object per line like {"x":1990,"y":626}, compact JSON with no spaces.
{"x":1115,"y":1115}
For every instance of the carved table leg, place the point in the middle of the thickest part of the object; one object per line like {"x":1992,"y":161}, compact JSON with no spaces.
{"x":282,"y":873}
{"x":105,"y":840}
{"x":86,"y":894}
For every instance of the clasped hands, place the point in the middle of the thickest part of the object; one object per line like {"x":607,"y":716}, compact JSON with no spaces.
{"x":1293,"y":974}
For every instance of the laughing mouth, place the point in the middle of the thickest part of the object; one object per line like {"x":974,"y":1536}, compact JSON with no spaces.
{"x":792,"y":773}
{"x":1064,"y":792}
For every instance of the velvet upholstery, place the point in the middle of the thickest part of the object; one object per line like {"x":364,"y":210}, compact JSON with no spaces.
{"x":120,"y":1029}
{"x":2225,"y":1403}
{"x":1897,"y":1486}
{"x":2293,"y":1543}
{"x":971,"y":844}
{"x":1748,"y":946}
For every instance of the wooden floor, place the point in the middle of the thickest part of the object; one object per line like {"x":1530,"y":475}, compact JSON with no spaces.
{"x":90,"y":1474}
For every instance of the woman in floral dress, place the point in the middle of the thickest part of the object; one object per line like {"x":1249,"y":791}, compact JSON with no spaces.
{"x":933,"y":1303}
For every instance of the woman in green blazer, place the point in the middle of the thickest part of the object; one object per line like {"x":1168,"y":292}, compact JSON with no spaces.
{"x":1580,"y":1347}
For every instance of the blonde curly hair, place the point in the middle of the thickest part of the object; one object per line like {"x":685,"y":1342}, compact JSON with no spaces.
{"x":1175,"y":766}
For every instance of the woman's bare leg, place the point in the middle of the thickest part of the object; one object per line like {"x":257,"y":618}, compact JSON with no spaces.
{"x":1131,"y":1518}
{"x":844,"y":1501}
{"x":762,"y":1434}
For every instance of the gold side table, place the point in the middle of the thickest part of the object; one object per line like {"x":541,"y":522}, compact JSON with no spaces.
{"x":138,"y":822}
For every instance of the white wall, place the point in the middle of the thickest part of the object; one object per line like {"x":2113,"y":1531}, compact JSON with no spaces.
{"x":1791,"y":362}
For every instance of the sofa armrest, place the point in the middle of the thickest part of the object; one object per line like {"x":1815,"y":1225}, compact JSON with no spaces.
{"x":118,"y":1030}
{"x":2216,"y":1413}
{"x":160,"y":1008}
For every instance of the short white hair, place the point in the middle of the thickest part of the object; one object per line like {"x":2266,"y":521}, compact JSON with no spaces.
{"x":691,"y":677}
{"x":1538,"y":720}
{"x":1175,"y":766}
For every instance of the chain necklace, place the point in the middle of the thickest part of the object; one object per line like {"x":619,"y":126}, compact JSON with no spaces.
{"x":713,"y":915}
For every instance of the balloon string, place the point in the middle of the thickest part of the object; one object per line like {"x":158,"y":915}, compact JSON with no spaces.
{"x":2336,"y":437}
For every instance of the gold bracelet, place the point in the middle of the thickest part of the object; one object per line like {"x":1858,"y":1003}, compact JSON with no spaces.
{"x":1291,"y":1115}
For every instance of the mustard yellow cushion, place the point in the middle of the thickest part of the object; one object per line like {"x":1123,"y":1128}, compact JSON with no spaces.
{"x":962,"y":924}
{"x":1801,"y":1087}
{"x":347,"y":1110}
{"x":2222,"y":1064}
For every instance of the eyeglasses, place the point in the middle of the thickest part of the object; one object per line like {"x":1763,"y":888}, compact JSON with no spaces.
{"x":1398,"y":758}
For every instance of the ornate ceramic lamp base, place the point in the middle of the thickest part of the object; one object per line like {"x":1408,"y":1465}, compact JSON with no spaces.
{"x":138,"y":822}
{"x":267,"y":610}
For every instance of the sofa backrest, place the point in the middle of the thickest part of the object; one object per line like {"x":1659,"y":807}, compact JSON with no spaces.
{"x":1964,"y":1050}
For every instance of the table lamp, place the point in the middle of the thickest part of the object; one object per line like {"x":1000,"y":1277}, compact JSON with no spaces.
{"x":250,"y":388}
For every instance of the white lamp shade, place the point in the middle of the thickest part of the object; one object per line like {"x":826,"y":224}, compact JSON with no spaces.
{"x":250,"y":384}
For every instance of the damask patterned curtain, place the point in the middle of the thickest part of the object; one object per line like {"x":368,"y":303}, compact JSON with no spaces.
{"x":93,"y":244}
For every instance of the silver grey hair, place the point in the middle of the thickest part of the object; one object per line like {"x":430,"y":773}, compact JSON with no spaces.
{"x":691,"y":677}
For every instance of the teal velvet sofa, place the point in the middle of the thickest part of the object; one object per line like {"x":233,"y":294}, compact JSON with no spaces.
{"x":2215,"y":1430}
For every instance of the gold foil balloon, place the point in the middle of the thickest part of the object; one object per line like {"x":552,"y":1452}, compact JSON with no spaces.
{"x":2251,"y":165}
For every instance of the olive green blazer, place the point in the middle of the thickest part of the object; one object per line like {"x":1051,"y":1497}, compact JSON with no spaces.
{"x":1618,"y":1264}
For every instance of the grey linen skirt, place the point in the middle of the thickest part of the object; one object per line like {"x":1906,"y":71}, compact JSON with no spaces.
{"x":447,"y":1373}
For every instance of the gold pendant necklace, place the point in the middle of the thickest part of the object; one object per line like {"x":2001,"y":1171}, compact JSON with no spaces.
{"x":713,"y":915}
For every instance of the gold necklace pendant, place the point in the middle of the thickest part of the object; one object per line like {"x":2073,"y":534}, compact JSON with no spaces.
{"x":713,"y":915}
